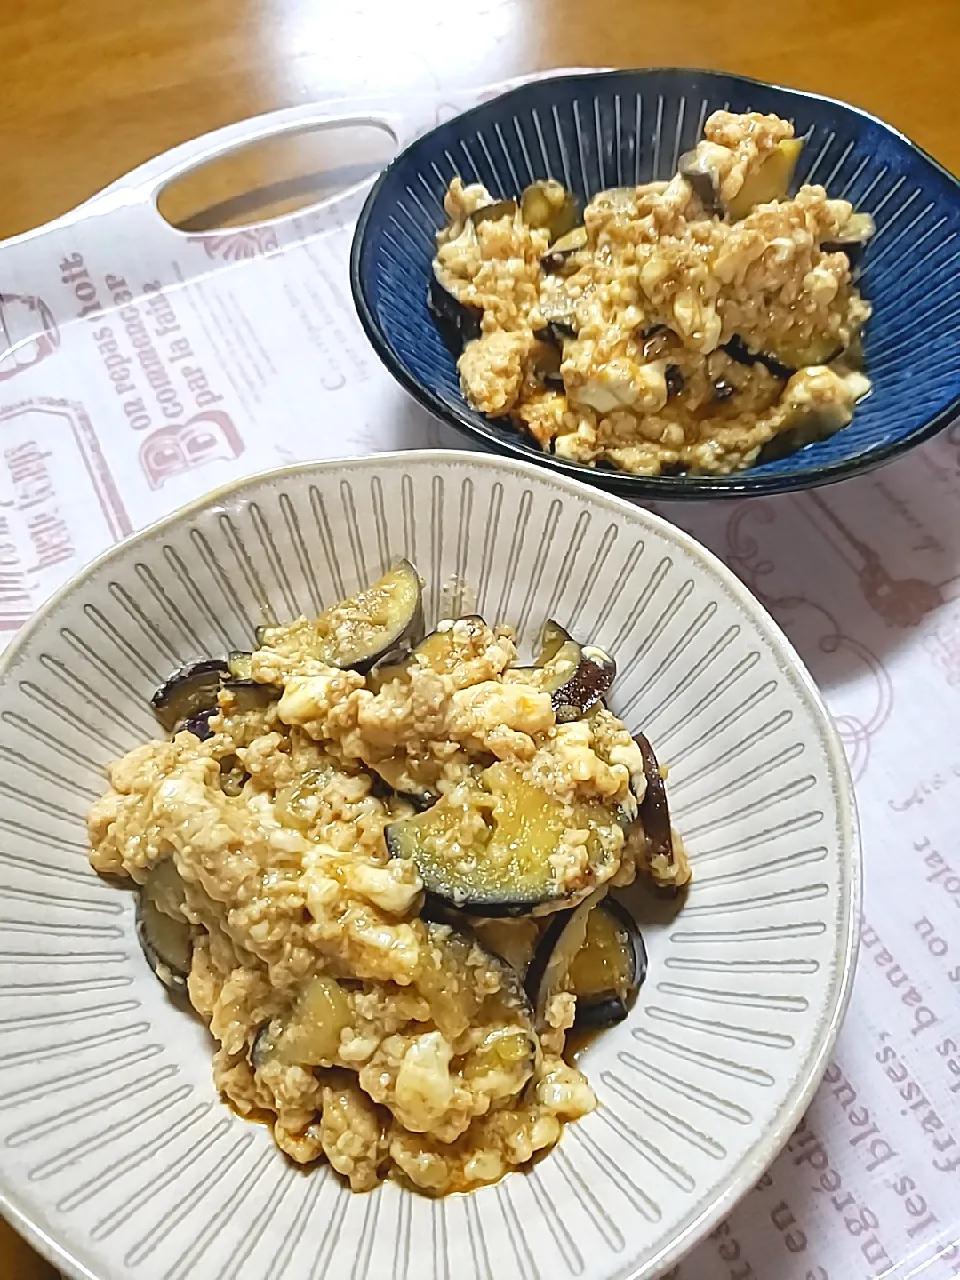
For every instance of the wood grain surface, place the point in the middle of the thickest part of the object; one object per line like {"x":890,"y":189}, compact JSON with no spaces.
{"x":91,"y":88}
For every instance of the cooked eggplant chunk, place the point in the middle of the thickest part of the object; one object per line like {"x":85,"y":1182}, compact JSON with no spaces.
{"x":199,"y":725}
{"x":547,"y":358}
{"x":806,"y":425}
{"x":694,"y":166}
{"x":559,"y":313}
{"x":665,"y":854}
{"x":546,"y":974}
{"x":550,"y":207}
{"x":770,"y":182}
{"x":310,"y":1035}
{"x":490,"y":847}
{"x":562,"y":250}
{"x":785,"y":359}
{"x":458,"y":323}
{"x":587,"y":687}
{"x":164,"y":934}
{"x":597,"y":954}
{"x":188,"y":692}
{"x":576,"y":677}
{"x":558,"y":658}
{"x":674,"y":379}
{"x":738,"y":350}
{"x":246,"y":694}
{"x":556,"y":332}
{"x":377,"y":624}
{"x":493,"y":212}
{"x":401,"y":776}
{"x":463,"y":983}
{"x":792,"y":356}
{"x":609,"y":969}
{"x":557,"y":644}
{"x":441,"y":650}
{"x":240,"y":665}
{"x":654,"y":809}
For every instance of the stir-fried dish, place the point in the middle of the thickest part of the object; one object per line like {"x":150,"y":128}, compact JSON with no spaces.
{"x":379,"y":866}
{"x":696,"y":325}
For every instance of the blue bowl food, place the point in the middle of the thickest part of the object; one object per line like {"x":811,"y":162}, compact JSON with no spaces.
{"x":604,"y":129}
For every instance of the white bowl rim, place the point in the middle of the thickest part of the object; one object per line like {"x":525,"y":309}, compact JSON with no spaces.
{"x":765,"y":1150}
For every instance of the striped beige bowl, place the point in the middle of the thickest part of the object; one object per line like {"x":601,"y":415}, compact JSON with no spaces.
{"x":119,"y":1161}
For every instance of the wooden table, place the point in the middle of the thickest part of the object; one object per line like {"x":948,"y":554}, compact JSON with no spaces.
{"x":88,"y":90}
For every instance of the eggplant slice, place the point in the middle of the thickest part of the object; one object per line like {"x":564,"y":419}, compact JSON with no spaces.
{"x":464,"y":983}
{"x":189,"y":698}
{"x":486,"y":847}
{"x":494,"y":212}
{"x":377,"y":624}
{"x":788,"y":358}
{"x":654,"y":807}
{"x":654,"y":814}
{"x":458,"y":323}
{"x":702,"y":179}
{"x":546,"y":974}
{"x":309,"y":1036}
{"x":550,"y":207}
{"x":609,"y":968}
{"x":577,"y":677}
{"x":805,"y":426}
{"x":770,"y":182}
{"x":399,"y":774}
{"x":560,"y":253}
{"x":191,"y":692}
{"x":595,"y":952}
{"x":587,"y":687}
{"x":165,"y":936}
{"x":441,"y":650}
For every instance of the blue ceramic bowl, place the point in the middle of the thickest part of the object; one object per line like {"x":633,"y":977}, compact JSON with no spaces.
{"x":615,"y":128}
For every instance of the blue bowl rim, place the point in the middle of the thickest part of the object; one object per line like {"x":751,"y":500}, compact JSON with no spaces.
{"x":666,"y":488}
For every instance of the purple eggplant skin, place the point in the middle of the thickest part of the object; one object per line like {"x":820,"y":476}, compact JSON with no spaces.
{"x":703,"y":182}
{"x":259,"y":1051}
{"x":738,"y":350}
{"x":191,"y":689}
{"x":654,"y":813}
{"x":458,"y":324}
{"x":654,"y":807}
{"x":547,"y":971}
{"x":556,"y":332}
{"x":587,"y":687}
{"x":608,"y":1008}
{"x":166,"y":942}
{"x":563,"y":249}
{"x":555,"y":953}
{"x":199,"y":725}
{"x":421,"y":800}
{"x":583,"y":682}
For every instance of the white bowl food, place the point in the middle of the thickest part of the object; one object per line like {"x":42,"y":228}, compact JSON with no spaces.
{"x":118,"y":1158}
